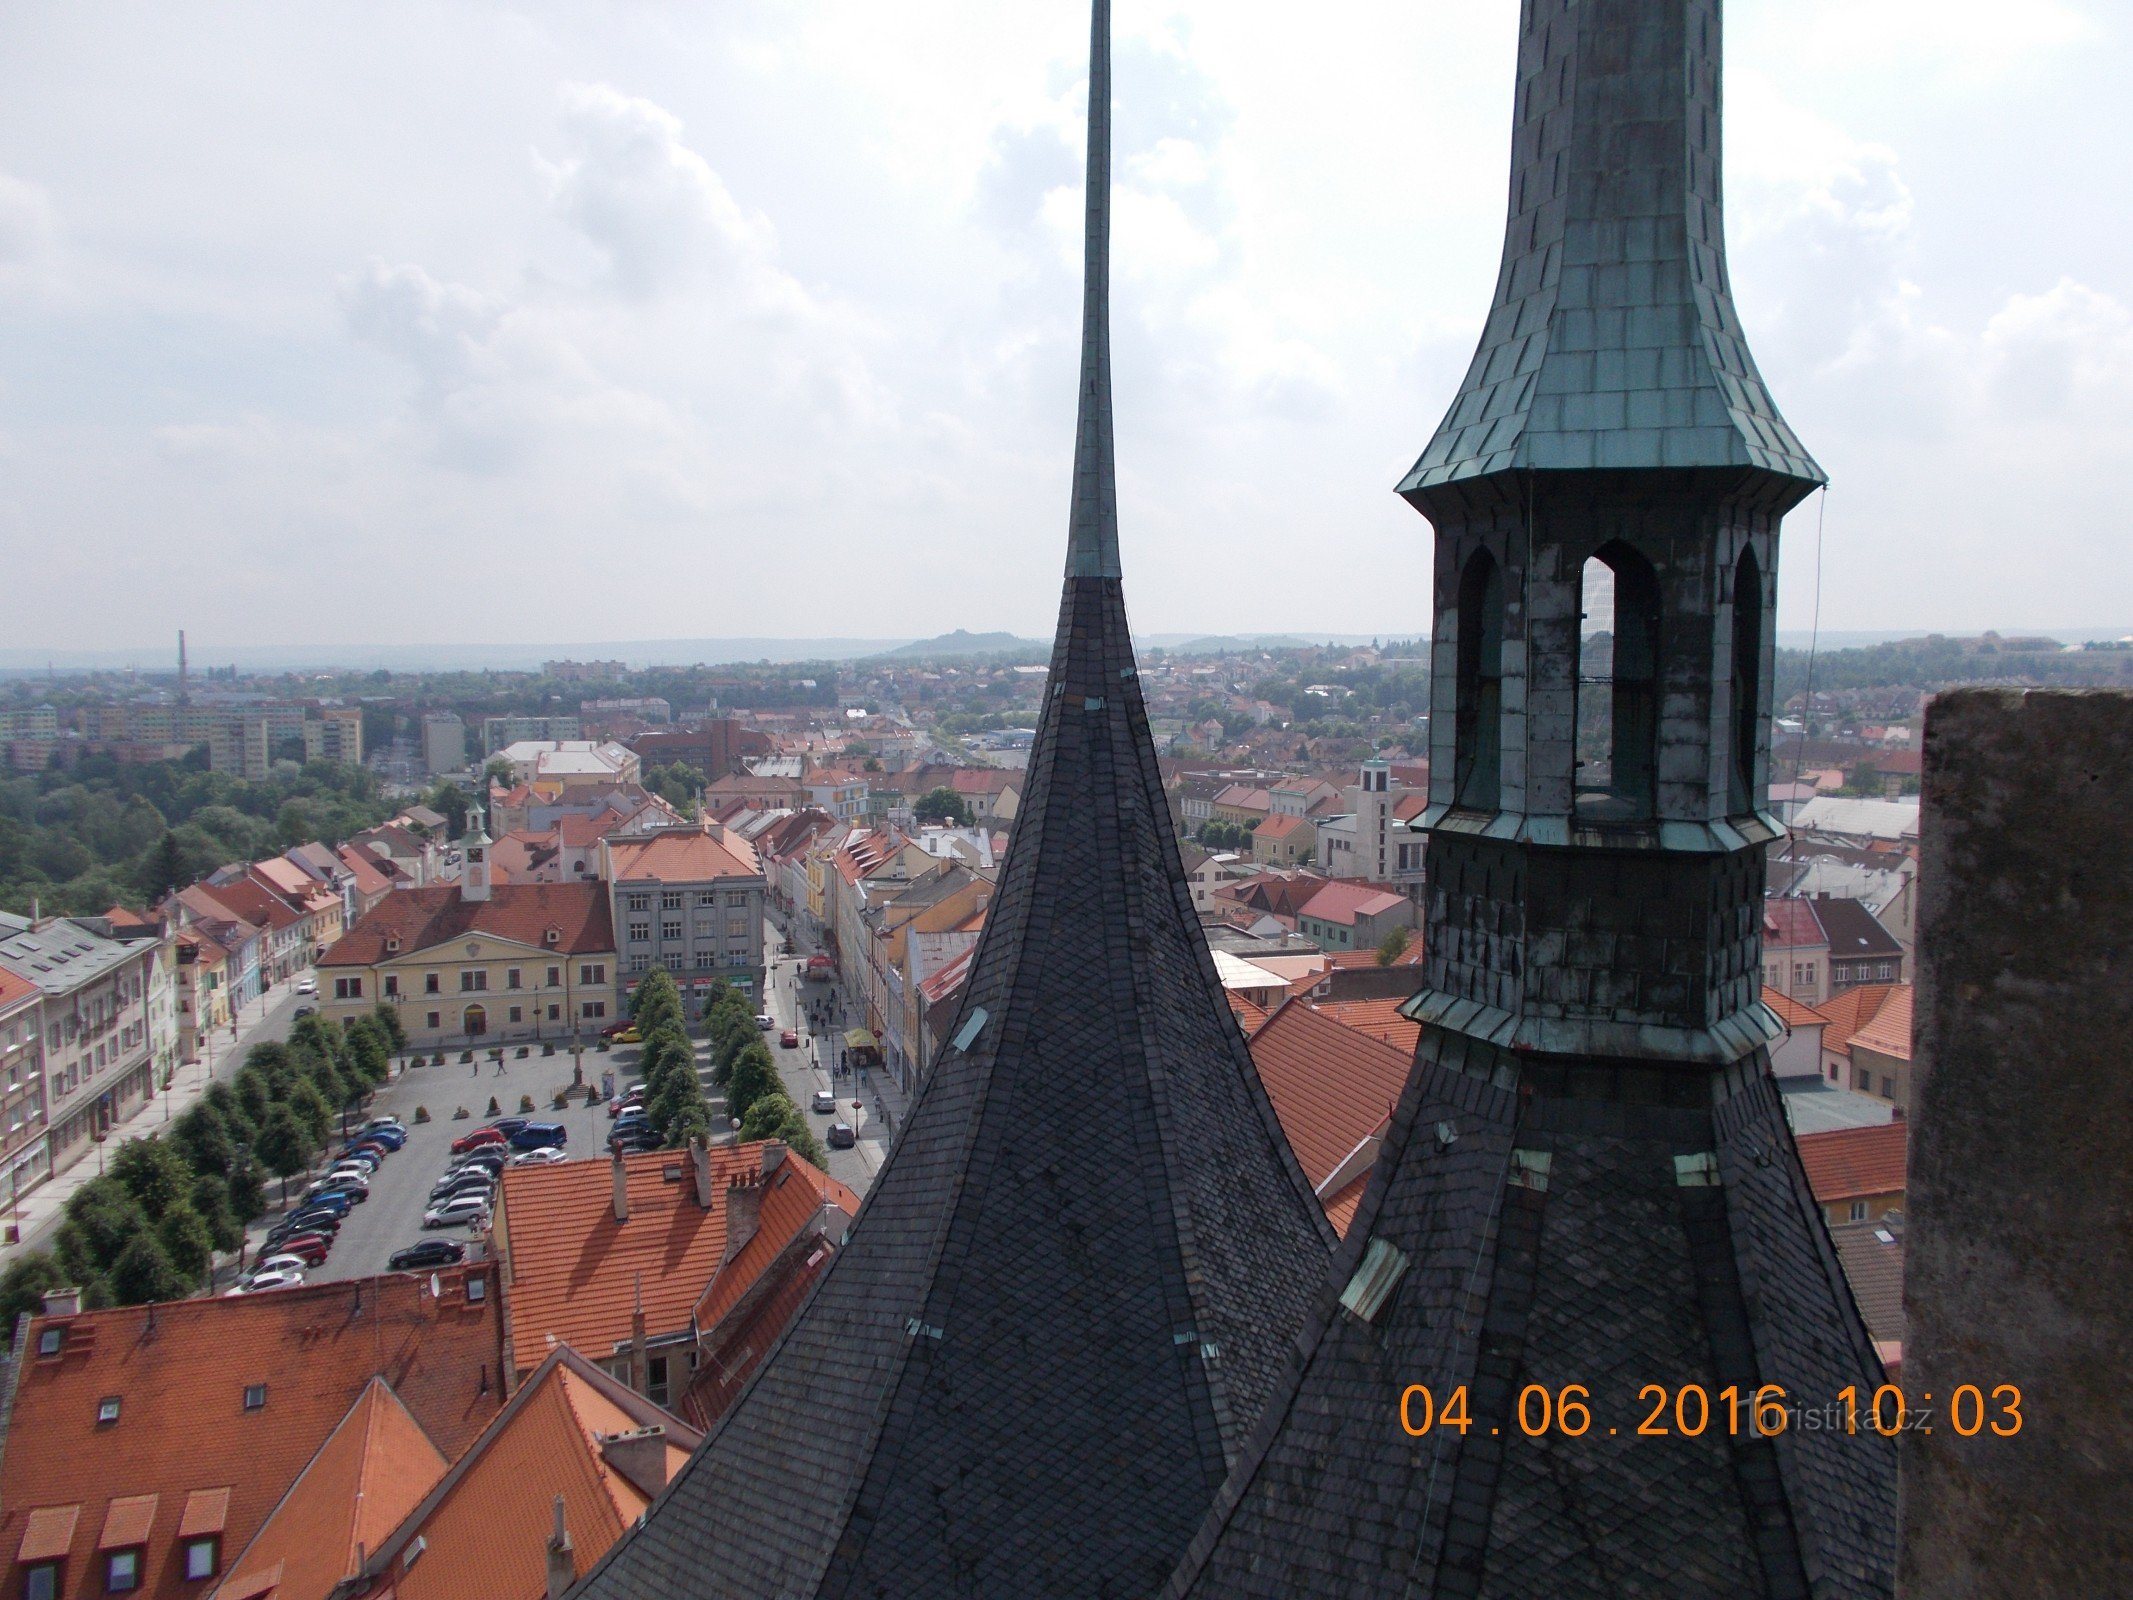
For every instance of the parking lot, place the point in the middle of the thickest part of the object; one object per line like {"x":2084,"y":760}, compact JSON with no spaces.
{"x":391,"y":1218}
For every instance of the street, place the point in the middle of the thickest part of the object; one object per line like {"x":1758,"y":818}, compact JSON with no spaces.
{"x":806,"y":1069}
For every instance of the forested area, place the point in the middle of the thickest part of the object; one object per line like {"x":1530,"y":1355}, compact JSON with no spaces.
{"x":103,"y":832}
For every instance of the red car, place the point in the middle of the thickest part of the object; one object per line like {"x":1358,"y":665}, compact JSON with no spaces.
{"x":789,"y":1039}
{"x":311,"y":1246}
{"x":476,"y":1139}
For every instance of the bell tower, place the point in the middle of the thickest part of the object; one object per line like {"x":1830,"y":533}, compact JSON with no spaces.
{"x":1589,"y":1191}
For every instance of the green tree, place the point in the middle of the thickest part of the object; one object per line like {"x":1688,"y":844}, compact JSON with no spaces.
{"x":256,"y":1096}
{"x":766,"y":1115}
{"x":164,"y":869}
{"x":154,"y":1173}
{"x":730,"y":1033}
{"x":498,"y":772}
{"x":144,"y":1273}
{"x":655,"y":998}
{"x":754,"y":1075}
{"x":313,"y":1111}
{"x":942,"y":805}
{"x":389,"y":1019}
{"x":188,"y":1241}
{"x":23,"y":1286}
{"x":211,"y":1199}
{"x":282,"y":1146}
{"x":203,"y":1138}
{"x":1393,"y":946}
{"x":101,"y":1217}
{"x":449,"y":801}
{"x":248,"y":1193}
{"x":370,"y":1049}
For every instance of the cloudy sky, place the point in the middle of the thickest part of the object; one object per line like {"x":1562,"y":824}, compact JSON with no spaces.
{"x":395,"y":322}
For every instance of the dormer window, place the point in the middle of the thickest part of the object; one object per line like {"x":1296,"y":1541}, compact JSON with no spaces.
{"x":392,"y":943}
{"x":50,"y":1341}
{"x":552,"y":936}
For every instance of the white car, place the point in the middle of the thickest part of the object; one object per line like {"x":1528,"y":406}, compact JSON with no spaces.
{"x":285,"y":1278}
{"x":307,"y":986}
{"x":471,"y":1209}
{"x":538,"y":1158}
{"x":765,"y":1021}
{"x":392,"y":1124}
{"x":281,"y":1263}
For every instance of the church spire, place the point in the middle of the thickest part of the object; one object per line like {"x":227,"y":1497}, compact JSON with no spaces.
{"x":1092,"y":549}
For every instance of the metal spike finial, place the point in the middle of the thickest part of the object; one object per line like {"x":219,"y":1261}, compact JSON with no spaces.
{"x":1092,"y":541}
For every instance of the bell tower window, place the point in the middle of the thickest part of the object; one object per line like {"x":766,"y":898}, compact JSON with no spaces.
{"x":1617,"y":686}
{"x":1747,"y":681}
{"x":1477,"y":767}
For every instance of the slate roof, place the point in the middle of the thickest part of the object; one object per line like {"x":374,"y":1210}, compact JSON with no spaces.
{"x":1077,"y":1275}
{"x":1853,"y":930}
{"x":185,"y":1437}
{"x":1613,"y":341}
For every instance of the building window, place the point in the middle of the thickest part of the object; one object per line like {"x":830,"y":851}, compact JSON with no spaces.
{"x":431,"y":984}
{"x":41,"y":1582}
{"x":670,"y":900}
{"x":1747,"y":680}
{"x":107,"y":1410}
{"x":655,"y":1380}
{"x":594,"y":973}
{"x":435,"y":1020}
{"x":640,"y":963}
{"x":1477,"y":766}
{"x":638,"y":902}
{"x":392,"y":986}
{"x":517,"y":1014}
{"x":670,"y":930}
{"x":594,"y":1008}
{"x":347,"y":988}
{"x":1858,"y":1211}
{"x":555,"y":1013}
{"x":555,"y":977}
{"x":640,"y":933}
{"x":49,"y":1341}
{"x":1617,"y":686}
{"x":201,"y":1558}
{"x":513,"y":979}
{"x":706,"y":898}
{"x":737,"y":899}
{"x":122,"y":1571}
{"x":473,"y":982}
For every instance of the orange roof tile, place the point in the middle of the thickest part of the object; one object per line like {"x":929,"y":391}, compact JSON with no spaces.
{"x":574,"y":1271}
{"x":1850,"y":1011}
{"x":1850,"y":1163}
{"x":372,"y":1470}
{"x":789,"y":1208}
{"x":1791,"y":1012}
{"x":683,"y":856}
{"x":1889,"y":1033}
{"x":1332,"y":1087}
{"x":485,"y":1526}
{"x":181,"y":1371}
{"x":424,"y":918}
{"x":1379,"y":1018}
{"x":1340,"y":1208}
{"x":1250,"y":1016}
{"x":14,"y":990}
{"x":1280,"y":826}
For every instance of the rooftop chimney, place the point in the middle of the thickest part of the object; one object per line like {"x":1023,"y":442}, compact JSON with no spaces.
{"x":744,"y":1212}
{"x":774,"y":1153}
{"x":562,"y":1560}
{"x":62,"y":1302}
{"x":640,"y":1457}
{"x":640,"y":1367}
{"x":700,"y":1165}
{"x":622,"y":1188}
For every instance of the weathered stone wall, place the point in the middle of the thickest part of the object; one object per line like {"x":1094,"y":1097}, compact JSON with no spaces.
{"x":2020,"y":1246}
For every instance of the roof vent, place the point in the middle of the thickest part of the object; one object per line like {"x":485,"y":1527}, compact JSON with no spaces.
{"x":1384,"y":1265}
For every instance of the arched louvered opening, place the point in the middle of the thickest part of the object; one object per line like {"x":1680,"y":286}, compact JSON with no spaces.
{"x":1478,"y":765}
{"x":1747,"y":682}
{"x":1617,"y":686}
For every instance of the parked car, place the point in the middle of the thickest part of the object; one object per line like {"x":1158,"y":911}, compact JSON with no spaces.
{"x":470,"y":1209}
{"x":370,"y":1154}
{"x":309,"y":1248}
{"x":825,"y":1101}
{"x":475,"y":1140}
{"x":334,"y":1201}
{"x":307,"y":986}
{"x":765,"y":1021}
{"x":302,"y":1012}
{"x":393,"y":1125}
{"x":640,"y":1137}
{"x":507,"y":1126}
{"x":619,"y":1026}
{"x":352,"y":1175}
{"x":260,"y":1281}
{"x":429,"y":1253}
{"x":538,"y":1158}
{"x":534,"y":1135}
{"x":490,"y":1161}
{"x":841,"y":1136}
{"x":353,"y":1190}
{"x":387,"y":1139}
{"x":789,"y":1039}
{"x":323,"y":1225}
{"x":623,"y":1103}
{"x":629,"y":1035}
{"x":452,"y":1185}
{"x":281,"y":1261}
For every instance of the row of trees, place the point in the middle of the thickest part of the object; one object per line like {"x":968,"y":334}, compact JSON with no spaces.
{"x":1216,"y":834}
{"x":149,"y":1228}
{"x":740,"y":1063}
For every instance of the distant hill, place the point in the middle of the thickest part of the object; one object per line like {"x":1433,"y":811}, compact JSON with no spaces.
{"x":962,"y":642}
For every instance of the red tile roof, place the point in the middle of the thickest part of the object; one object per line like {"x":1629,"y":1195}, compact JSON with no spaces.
{"x":523,"y":912}
{"x":1379,"y":1018}
{"x":14,"y":990}
{"x":682,"y":856}
{"x":574,"y":1272}
{"x":1791,"y":925}
{"x":1853,"y":1163}
{"x":180,"y":1373}
{"x":369,"y":875}
{"x":1791,"y":1012}
{"x":1280,"y":826}
{"x":1332,"y":1087}
{"x":1343,"y":902}
{"x":251,"y":901}
{"x":372,"y":1471}
{"x":1850,"y":1011}
{"x":1250,"y":1016}
{"x":1889,"y":1033}
{"x":485,"y":1526}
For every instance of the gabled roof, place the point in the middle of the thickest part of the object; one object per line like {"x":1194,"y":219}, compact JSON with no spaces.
{"x":184,"y":1435}
{"x":1345,"y":903}
{"x":1379,"y":1018}
{"x":371,"y":1471}
{"x":1854,"y":931}
{"x":253,"y":902}
{"x":1872,"y":1253}
{"x":484,"y":1526}
{"x":1889,"y":1033}
{"x":1791,"y":1012}
{"x":576,"y":1273}
{"x":1850,"y":1011}
{"x":1280,"y":826}
{"x":422,"y":919}
{"x":15,"y":991}
{"x":1791,"y":925}
{"x":1850,"y":1163}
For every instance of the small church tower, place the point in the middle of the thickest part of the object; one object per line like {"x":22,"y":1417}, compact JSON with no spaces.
{"x":1588,"y":1246}
{"x":474,"y":879}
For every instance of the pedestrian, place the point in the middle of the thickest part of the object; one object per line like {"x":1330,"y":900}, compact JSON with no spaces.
{"x":473,"y":1069}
